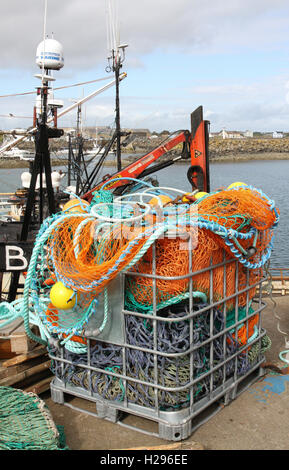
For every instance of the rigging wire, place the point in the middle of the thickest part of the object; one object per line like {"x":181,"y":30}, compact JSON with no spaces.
{"x":113,"y":27}
{"x":58,"y":88}
{"x":17,"y":117}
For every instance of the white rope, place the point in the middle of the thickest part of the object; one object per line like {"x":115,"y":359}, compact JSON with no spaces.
{"x":113,"y":35}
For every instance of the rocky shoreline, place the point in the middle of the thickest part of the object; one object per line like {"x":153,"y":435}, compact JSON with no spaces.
{"x":11,"y":163}
{"x":228,"y":150}
{"x":251,"y":148}
{"x":221,"y":151}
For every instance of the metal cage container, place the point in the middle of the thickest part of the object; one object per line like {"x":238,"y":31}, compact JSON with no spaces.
{"x":176,"y":366}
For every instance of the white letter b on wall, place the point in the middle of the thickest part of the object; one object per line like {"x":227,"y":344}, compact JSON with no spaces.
{"x":19,"y":256}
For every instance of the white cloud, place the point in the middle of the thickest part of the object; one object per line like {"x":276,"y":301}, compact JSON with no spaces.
{"x":186,"y":25}
{"x":192,"y":27}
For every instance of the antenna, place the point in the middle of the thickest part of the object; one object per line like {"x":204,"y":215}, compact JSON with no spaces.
{"x":115,"y":60}
{"x":44,"y":36}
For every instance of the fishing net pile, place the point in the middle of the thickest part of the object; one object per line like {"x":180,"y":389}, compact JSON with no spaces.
{"x":26,"y":423}
{"x":177,"y":371}
{"x":179,"y":257}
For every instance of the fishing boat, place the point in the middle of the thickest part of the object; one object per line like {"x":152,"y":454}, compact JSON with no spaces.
{"x":16,"y":153}
{"x":97,"y":149}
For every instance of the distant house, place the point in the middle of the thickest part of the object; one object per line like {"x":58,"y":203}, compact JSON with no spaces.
{"x":214,"y":134}
{"x":277,"y":135}
{"x":249,"y":134}
{"x":232,"y":134}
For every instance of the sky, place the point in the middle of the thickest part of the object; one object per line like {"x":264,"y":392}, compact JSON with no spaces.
{"x":231,"y":57}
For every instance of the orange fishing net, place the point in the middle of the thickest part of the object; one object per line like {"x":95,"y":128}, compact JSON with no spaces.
{"x":225,"y":281}
{"x":171,"y":260}
{"x":81,"y":259}
{"x":231,"y":207}
{"x":245,"y":333}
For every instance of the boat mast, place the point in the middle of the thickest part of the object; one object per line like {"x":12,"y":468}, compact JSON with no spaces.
{"x":115,"y":61}
{"x":116,"y":69}
{"x":79,"y":144}
{"x":47,"y":61}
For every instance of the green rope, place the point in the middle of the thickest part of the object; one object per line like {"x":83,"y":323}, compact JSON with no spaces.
{"x":131,"y":303}
{"x":257,"y":349}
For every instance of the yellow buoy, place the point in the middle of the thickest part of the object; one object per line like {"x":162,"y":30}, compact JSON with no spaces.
{"x":62,"y":297}
{"x":75,"y":205}
{"x":200,"y":194}
{"x":185,"y":199}
{"x":236,"y":184}
{"x":194,"y":195}
{"x":160,"y":200}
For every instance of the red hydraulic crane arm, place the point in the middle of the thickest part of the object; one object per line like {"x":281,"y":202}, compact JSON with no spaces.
{"x":197,"y":144}
{"x":135,"y":169}
{"x":199,"y":171}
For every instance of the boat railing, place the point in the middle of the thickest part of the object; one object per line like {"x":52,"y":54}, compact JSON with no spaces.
{"x":280,"y":280}
{"x":5,"y":202}
{"x":8,"y":207}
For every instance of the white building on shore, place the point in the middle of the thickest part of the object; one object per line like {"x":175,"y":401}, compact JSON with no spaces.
{"x":277,"y":135}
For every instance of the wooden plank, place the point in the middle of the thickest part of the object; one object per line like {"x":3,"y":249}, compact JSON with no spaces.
{"x":5,"y":350}
{"x":21,"y":344}
{"x":38,"y":351}
{"x":16,"y":334}
{"x":13,"y":370}
{"x":40,"y":387}
{"x":7,"y":382}
{"x":15,"y":326}
{"x":34,"y":379}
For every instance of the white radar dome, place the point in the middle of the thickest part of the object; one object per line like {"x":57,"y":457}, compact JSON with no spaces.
{"x":49,"y":55}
